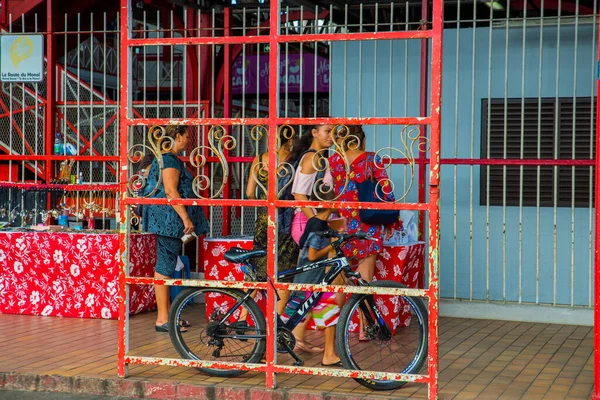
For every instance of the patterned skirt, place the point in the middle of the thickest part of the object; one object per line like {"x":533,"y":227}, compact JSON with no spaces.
{"x":325,"y":313}
{"x":287,"y":250}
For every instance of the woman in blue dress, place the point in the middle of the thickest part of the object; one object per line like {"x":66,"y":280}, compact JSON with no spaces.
{"x":170,"y":223}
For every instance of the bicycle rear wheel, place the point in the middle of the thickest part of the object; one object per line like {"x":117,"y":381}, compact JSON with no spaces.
{"x":404,"y":351}
{"x":208,"y":339}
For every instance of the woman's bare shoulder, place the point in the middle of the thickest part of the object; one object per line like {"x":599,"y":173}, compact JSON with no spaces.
{"x":308,"y":163}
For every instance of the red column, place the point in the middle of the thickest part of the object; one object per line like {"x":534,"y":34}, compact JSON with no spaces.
{"x":50,"y":112}
{"x":272,"y":188}
{"x":423,"y":112}
{"x":124,"y":69}
{"x":227,"y":114}
{"x":596,"y":394}
{"x":434,"y":196}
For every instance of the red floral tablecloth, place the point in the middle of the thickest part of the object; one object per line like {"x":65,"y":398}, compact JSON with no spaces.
{"x":71,"y":274}
{"x":402,"y":264}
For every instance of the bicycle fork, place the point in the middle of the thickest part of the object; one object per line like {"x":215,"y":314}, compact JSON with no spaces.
{"x":371,"y":314}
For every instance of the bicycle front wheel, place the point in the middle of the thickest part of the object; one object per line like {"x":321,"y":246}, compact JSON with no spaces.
{"x":211,"y":336}
{"x":400,"y":346}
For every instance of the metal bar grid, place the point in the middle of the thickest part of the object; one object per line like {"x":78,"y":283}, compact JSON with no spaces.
{"x":274,"y":39}
{"x":500,"y":262}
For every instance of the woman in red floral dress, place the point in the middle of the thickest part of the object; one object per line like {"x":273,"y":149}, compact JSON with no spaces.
{"x":362,"y":164}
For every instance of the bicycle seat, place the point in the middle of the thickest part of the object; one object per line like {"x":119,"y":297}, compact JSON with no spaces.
{"x":238,"y":255}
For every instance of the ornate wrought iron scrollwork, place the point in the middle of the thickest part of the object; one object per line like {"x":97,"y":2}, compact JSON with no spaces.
{"x":258,"y":170}
{"x":135,"y":219}
{"x":158,"y":142}
{"x":409,"y":136}
{"x":284,"y":168}
{"x":218,"y":142}
{"x":344,"y":140}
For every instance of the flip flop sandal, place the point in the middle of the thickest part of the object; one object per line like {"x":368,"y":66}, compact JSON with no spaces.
{"x":165,"y":328}
{"x":184,"y":323}
{"x":337,"y":364}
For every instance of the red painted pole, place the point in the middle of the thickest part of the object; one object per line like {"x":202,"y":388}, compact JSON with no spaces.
{"x":423,"y":112}
{"x":191,"y":64}
{"x":272,"y":187}
{"x":123,"y":131}
{"x":227,"y":114}
{"x":50,"y":112}
{"x":596,"y":393}
{"x":434,"y":193}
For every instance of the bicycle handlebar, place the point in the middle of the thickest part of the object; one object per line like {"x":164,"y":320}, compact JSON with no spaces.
{"x":344,"y":237}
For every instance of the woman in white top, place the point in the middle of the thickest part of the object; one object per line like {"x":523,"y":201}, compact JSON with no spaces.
{"x":308,"y":150}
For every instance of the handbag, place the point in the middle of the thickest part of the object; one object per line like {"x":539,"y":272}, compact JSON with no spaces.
{"x":369,"y":191}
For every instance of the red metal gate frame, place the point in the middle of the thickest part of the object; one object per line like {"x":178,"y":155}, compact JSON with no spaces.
{"x":596,"y":392}
{"x":272,"y":203}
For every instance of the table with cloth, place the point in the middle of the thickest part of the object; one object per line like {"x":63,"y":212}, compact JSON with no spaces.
{"x":71,"y":274}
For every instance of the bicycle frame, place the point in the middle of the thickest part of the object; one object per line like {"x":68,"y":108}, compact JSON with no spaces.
{"x":337,"y":264}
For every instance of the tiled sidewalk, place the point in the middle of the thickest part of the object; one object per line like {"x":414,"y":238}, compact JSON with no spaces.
{"x":480,"y":359}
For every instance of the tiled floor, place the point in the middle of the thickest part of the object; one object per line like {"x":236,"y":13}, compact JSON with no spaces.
{"x":480,"y":359}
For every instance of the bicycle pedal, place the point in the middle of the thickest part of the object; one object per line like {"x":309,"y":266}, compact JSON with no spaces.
{"x":299,"y":363}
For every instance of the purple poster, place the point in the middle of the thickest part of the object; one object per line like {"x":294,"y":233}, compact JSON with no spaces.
{"x":295,"y":75}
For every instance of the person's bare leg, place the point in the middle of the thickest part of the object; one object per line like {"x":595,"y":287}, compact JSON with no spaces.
{"x":367,"y":270}
{"x":300,"y":329}
{"x":244,"y":312}
{"x":340,"y":298}
{"x":284,"y":296}
{"x":329,"y":356}
{"x":162,"y":300}
{"x":300,"y":334}
{"x":367,"y":267}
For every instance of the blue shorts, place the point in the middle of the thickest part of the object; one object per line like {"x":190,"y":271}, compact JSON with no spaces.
{"x":167,"y":250}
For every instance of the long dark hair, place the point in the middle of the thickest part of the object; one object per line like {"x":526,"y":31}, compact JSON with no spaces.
{"x":302,"y":144}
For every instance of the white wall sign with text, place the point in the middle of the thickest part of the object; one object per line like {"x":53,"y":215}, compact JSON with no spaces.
{"x":21,"y":58}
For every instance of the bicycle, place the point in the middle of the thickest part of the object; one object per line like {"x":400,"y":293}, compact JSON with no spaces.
{"x":224,"y":337}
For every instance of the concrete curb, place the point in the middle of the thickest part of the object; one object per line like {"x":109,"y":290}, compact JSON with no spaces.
{"x":144,"y":389}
